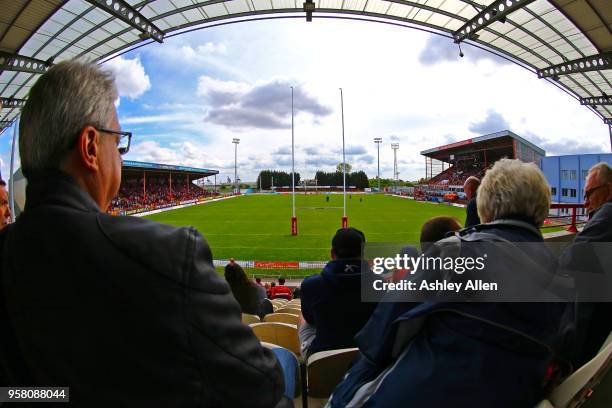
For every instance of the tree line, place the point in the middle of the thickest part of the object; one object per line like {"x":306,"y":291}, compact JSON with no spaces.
{"x":357,"y":179}
{"x":279,"y":178}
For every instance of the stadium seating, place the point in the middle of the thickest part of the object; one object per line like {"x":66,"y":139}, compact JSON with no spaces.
{"x":580,"y":383}
{"x":290,"y":310}
{"x":249,"y":318}
{"x":282,"y":318}
{"x":325,"y":370}
{"x":158,"y":194}
{"x":279,"y":302}
{"x":297,"y":381}
{"x":281,"y":334}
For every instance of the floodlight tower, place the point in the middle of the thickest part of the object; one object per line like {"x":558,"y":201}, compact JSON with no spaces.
{"x":395,"y":146}
{"x":378,"y":141}
{"x":294,"y":230}
{"x":235,"y":141}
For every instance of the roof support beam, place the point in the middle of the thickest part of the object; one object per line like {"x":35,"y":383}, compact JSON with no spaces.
{"x":5,"y":123}
{"x":19,"y":63}
{"x":12,"y":102}
{"x":496,"y":11}
{"x":596,"y":62}
{"x":596,"y":100}
{"x":309,"y":7}
{"x":125,"y":12}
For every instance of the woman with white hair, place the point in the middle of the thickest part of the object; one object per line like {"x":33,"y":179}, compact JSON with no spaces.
{"x":514,"y":190}
{"x":448,"y":352}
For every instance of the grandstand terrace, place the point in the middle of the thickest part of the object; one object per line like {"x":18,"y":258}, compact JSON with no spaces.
{"x":150,"y":186}
{"x":448,"y":166}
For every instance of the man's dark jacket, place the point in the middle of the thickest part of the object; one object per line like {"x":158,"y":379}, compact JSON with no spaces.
{"x":593,"y":321}
{"x":453,"y":354}
{"x":331,"y":301}
{"x":471,"y":210}
{"x":124,"y":311}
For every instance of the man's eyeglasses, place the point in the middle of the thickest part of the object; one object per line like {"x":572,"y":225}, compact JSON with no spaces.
{"x":125,"y":139}
{"x":590,"y":191}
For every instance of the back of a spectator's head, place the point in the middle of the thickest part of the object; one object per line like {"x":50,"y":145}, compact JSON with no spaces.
{"x":234,"y":274}
{"x":512,"y":188}
{"x":348,"y":243}
{"x":68,"y":97}
{"x":258,"y":280}
{"x":436,"y":229}
{"x":281,"y":281}
{"x":471,"y":185}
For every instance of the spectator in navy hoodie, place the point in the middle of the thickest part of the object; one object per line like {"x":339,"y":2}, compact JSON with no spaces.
{"x":332,"y":309}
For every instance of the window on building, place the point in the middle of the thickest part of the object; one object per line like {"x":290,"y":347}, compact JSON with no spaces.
{"x":584,"y":174}
{"x":572,"y":192}
{"x":553,"y":191}
{"x":564,"y":174}
{"x":564,"y":192}
{"x":573,"y":174}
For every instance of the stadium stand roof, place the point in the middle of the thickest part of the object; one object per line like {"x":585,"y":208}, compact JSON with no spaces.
{"x":566,"y":42}
{"x":130,"y":166}
{"x":492,"y":140}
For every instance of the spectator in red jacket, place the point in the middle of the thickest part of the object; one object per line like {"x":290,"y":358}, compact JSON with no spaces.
{"x":281,"y":291}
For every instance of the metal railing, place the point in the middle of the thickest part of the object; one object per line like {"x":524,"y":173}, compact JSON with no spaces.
{"x":570,"y":220}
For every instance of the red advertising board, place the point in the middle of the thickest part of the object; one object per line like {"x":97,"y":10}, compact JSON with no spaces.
{"x":276,"y":265}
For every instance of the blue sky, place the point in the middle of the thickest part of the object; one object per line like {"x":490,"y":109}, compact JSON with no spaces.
{"x":187,"y":98}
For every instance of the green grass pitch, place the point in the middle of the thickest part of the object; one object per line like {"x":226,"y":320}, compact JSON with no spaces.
{"x":258,"y":227}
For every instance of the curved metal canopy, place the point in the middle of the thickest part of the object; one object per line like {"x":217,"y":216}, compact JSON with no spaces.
{"x":567,"y":42}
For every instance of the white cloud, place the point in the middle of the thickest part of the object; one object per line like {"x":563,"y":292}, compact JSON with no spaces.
{"x":264,"y":105}
{"x":208,"y":86}
{"x":130,"y":76}
{"x":190,"y":55}
{"x":165,"y":117}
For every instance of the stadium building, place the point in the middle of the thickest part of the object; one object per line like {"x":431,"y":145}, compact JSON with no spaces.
{"x":148,"y":186}
{"x":448,"y":166}
{"x":567,"y":175}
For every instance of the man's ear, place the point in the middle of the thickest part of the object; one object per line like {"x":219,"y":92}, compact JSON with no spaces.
{"x":88,"y":149}
{"x":333,"y":254}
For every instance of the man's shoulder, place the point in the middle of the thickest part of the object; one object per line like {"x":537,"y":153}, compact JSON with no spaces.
{"x":604,"y":213}
{"x":311,"y":282}
{"x":599,"y":227}
{"x":163,"y":248}
{"x":135,"y":230}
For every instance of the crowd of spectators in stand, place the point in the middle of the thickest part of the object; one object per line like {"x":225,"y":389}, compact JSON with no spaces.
{"x":129,"y":312}
{"x":457,"y":175}
{"x":158,"y":194}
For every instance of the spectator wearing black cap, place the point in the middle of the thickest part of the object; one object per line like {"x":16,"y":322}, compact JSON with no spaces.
{"x":331,"y":301}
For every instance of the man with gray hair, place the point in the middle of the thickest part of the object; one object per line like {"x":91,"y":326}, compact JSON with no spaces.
{"x":598,"y":189}
{"x":470,"y":188}
{"x":124,"y":311}
{"x":593,"y":321}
